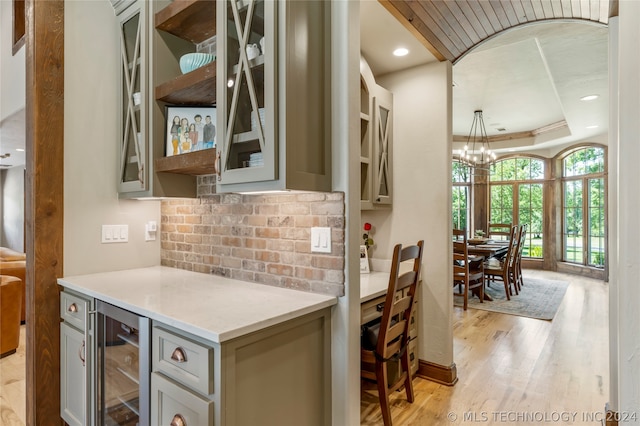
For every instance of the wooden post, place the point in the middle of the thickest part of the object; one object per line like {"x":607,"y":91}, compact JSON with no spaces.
{"x":44,"y":205}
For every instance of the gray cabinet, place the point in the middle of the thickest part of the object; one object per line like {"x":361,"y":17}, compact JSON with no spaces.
{"x":76,"y":377}
{"x":376,"y":142}
{"x":274,"y":95}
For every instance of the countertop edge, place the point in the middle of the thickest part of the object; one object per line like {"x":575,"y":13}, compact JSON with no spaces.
{"x":186,"y":326}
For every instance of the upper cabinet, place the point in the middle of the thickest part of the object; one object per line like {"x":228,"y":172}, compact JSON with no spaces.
{"x":376,"y":141}
{"x":133,"y":170}
{"x":153,"y":81}
{"x":274,"y":95}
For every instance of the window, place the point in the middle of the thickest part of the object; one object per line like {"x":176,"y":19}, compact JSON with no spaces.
{"x":461,"y":176}
{"x":516,"y":197}
{"x":583,"y":202}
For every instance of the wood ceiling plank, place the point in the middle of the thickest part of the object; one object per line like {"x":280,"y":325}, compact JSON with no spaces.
{"x":491,"y":16}
{"x":556,"y":5}
{"x":429,"y":17}
{"x":521,"y":15}
{"x":547,"y":8}
{"x":510,"y":13}
{"x":457,"y":22}
{"x":538,"y":9}
{"x":585,"y":9}
{"x":472,"y":18}
{"x":500,"y":13}
{"x":566,"y":8}
{"x":576,"y":9}
{"x":528,"y":10}
{"x":595,"y":10}
{"x":482,"y":17}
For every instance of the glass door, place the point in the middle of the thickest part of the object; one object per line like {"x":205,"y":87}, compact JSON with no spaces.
{"x":123,"y":367}
{"x":248,"y":151}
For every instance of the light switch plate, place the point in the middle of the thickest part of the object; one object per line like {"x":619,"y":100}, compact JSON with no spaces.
{"x":321,"y":240}
{"x":115,"y":234}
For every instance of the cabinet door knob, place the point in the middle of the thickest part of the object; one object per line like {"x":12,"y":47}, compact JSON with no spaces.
{"x":179,"y":355}
{"x":73,"y":308}
{"x":178,"y":420}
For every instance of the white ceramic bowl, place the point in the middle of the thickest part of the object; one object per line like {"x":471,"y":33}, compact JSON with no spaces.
{"x":191,"y":61}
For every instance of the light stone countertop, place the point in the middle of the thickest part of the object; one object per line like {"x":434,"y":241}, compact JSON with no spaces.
{"x":215,"y":308}
{"x":372,"y":285}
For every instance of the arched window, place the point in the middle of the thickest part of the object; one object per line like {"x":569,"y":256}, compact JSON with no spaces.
{"x":583,"y":207}
{"x":460,"y":195}
{"x":516,"y":197}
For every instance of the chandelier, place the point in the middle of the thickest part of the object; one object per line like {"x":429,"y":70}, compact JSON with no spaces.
{"x":477,"y":152}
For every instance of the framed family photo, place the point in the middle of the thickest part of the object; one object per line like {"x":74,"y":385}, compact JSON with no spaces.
{"x":364,"y":260}
{"x":189,"y":129}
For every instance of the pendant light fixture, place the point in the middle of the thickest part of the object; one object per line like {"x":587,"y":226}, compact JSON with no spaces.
{"x":477,"y":152}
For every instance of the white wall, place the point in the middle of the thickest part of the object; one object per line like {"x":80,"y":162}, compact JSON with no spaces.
{"x":92,"y":66}
{"x":12,"y":76}
{"x":627,"y":266}
{"x":422,"y":196}
{"x":12,"y":207}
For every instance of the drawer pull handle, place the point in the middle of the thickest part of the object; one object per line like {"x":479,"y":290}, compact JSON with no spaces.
{"x":81,"y":353}
{"x":380,"y":307}
{"x":178,"y":420}
{"x":179,"y":355}
{"x":73,"y":308}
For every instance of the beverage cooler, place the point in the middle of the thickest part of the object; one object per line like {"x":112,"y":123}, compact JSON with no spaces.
{"x":123,"y":367}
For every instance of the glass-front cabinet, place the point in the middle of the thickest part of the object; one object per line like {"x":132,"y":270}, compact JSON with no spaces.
{"x":274,"y":93}
{"x":247,"y":114}
{"x":133,"y":129}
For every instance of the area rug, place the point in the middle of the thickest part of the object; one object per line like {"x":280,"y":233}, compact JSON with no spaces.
{"x":539,"y":298}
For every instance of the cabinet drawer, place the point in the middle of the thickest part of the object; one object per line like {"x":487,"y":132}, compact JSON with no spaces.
{"x":170,"y":401}
{"x":371,"y":310}
{"x":74,"y":310}
{"x":183,"y":359}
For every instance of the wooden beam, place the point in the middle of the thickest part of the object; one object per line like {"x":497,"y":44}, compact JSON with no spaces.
{"x":44,"y":206}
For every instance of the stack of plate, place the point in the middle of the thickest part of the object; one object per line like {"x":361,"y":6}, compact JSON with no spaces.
{"x":254,"y":123}
{"x":255,"y":160}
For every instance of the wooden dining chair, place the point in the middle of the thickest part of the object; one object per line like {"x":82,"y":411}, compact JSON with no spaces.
{"x":467,"y":275}
{"x":517,"y":269}
{"x":393,"y":332}
{"x":495,"y":269}
{"x":500,"y":231}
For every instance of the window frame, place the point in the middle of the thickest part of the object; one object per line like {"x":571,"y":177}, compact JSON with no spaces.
{"x":585,"y":180}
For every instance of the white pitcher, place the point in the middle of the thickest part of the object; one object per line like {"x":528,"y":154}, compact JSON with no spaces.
{"x":252,"y":51}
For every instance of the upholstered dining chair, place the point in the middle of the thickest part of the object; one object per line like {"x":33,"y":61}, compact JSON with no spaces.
{"x":393,"y":332}
{"x":467,"y":275}
{"x":503,"y":269}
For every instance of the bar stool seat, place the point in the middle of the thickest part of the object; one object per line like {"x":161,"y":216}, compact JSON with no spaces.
{"x":10,"y":307}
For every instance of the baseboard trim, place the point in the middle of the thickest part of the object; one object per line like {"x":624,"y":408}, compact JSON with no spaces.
{"x":445,"y":375}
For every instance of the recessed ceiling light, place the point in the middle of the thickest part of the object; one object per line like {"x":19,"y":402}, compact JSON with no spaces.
{"x":589,"y":97}
{"x":595,"y":126}
{"x":401,"y":51}
{"x":20,"y":149}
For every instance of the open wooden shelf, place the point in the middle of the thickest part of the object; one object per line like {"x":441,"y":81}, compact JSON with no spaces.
{"x":197,"y":87}
{"x":192,"y":20}
{"x":192,"y":163}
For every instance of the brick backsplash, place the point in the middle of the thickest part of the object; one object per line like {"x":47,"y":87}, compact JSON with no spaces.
{"x":263,"y":238}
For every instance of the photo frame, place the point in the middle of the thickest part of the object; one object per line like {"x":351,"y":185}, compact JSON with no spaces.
{"x":364,"y":260}
{"x":189,"y":129}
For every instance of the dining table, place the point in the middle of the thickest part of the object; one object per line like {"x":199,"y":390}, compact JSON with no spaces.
{"x":486,"y":250}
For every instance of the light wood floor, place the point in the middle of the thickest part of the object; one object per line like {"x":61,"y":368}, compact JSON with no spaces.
{"x":12,"y":386}
{"x":514,"y":370}
{"x":507,"y":365}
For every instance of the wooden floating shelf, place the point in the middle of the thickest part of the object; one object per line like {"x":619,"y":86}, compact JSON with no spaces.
{"x":197,"y":87}
{"x":192,"y":163}
{"x":192,"y":20}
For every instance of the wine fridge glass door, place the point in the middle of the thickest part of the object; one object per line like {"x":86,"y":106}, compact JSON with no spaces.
{"x":123,"y":367}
